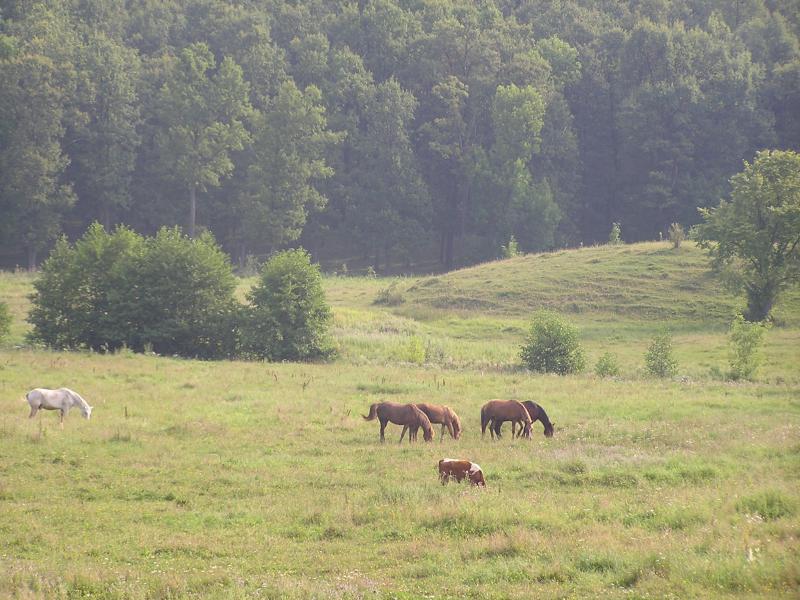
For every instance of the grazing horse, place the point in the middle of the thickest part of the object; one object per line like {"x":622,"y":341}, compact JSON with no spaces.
{"x":61,"y":399}
{"x":498,"y":411}
{"x":537,"y":413}
{"x":451,"y":468}
{"x":443,"y":415}
{"x":407,"y":415}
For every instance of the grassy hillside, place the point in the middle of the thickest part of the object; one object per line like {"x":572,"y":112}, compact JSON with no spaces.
{"x":251,"y":480}
{"x":636,"y":281}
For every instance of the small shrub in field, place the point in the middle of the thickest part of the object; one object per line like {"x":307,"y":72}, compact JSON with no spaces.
{"x":745,"y":343}
{"x":607,"y":366}
{"x":615,"y":236}
{"x":390,"y":296}
{"x":511,"y":250}
{"x":659,"y":360}
{"x":552,"y":346}
{"x":288,"y":318}
{"x":411,"y":350}
{"x":5,"y":321}
{"x":435,"y":353}
{"x":676,"y":235}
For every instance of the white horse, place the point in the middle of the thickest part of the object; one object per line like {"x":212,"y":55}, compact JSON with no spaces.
{"x":61,"y":399}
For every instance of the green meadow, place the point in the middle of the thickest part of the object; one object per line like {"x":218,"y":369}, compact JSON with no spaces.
{"x":255,"y":480}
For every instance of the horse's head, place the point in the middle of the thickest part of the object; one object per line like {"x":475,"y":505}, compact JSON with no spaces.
{"x":86,"y":411}
{"x":456,"y":426}
{"x":549,"y":429}
{"x":427,"y":431}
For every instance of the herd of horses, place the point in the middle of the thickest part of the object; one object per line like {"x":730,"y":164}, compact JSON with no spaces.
{"x":412,"y":417}
{"x":493,"y":414}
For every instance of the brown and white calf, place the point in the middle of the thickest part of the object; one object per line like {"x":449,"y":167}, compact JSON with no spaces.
{"x":451,"y":468}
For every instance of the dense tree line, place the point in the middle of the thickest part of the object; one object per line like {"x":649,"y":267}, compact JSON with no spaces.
{"x":391,"y":126}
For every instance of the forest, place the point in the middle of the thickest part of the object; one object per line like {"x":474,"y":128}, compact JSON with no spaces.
{"x":402,"y":132}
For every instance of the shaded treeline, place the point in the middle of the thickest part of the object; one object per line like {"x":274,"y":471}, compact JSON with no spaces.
{"x":388,"y":127}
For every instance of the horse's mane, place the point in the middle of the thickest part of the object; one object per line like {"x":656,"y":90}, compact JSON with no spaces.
{"x":76,"y":397}
{"x":543,"y":416}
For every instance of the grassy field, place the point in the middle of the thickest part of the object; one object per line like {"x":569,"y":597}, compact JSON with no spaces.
{"x":235,"y":479}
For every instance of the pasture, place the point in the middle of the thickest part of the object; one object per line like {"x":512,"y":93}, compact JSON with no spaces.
{"x":239,"y":480}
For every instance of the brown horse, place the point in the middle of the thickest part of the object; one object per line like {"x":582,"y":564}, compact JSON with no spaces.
{"x":536,"y":413}
{"x":407,"y":415}
{"x":443,"y":415}
{"x":499,"y":411}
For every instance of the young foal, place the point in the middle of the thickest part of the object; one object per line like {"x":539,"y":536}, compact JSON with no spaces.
{"x":450,"y":468}
{"x":61,"y":399}
{"x":443,"y":415}
{"x":407,"y":415}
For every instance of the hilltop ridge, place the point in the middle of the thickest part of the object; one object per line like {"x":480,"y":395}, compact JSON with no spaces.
{"x":649,"y":280}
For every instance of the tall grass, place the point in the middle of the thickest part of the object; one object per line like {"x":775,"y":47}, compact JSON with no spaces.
{"x":236,"y":479}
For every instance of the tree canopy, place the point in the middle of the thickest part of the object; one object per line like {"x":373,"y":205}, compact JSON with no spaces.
{"x":394,"y":131}
{"x":754,"y":238}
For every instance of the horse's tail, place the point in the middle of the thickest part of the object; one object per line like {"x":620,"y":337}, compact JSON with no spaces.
{"x":373,"y":412}
{"x":484,"y":420}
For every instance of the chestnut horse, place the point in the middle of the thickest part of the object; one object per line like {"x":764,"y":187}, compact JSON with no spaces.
{"x":499,"y":411}
{"x":443,"y":415}
{"x":536,"y":413}
{"x":407,"y":415}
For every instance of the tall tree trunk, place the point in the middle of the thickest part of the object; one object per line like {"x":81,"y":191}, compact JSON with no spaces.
{"x":192,"y":209}
{"x":31,"y":259}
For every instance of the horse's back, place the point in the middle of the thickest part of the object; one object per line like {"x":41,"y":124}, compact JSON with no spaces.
{"x":45,"y":397}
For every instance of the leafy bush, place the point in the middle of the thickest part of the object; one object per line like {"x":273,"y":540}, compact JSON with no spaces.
{"x":390,"y":296}
{"x":745,"y":343}
{"x":411,"y":350}
{"x":676,"y":235}
{"x":75,"y":297}
{"x":5,"y":321}
{"x":288,"y":318}
{"x":117,"y":289}
{"x":552,"y":346}
{"x":615,"y":236}
{"x":659,"y":360}
{"x":511,"y":250}
{"x":181,"y":296}
{"x":607,"y":366}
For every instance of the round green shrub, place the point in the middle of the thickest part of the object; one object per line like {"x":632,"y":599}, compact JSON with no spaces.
{"x":659,"y":360}
{"x":552,"y":346}
{"x":288,"y":317}
{"x":607,"y":366}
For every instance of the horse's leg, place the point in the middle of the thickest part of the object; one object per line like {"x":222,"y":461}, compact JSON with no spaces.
{"x":405,"y":427}
{"x":498,"y":425}
{"x":34,"y":410}
{"x":62,"y":418}
{"x":450,"y":429}
{"x":383,"y":427}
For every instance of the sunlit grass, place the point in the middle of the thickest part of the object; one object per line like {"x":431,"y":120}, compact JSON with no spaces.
{"x":244,"y":479}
